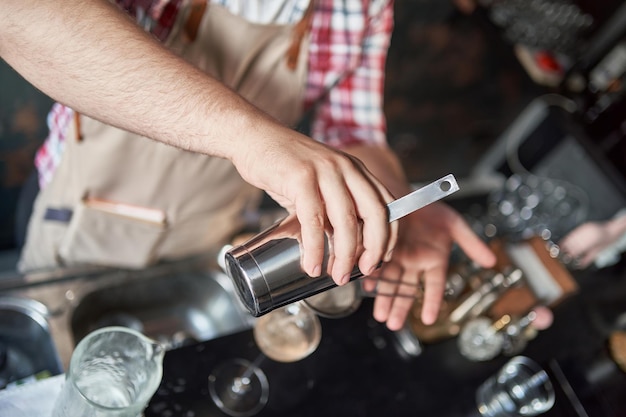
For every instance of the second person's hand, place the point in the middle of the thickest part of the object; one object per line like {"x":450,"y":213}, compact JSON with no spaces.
{"x":420,"y":259}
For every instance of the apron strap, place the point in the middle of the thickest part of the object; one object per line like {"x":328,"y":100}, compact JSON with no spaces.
{"x":79,"y":132}
{"x":198,"y":8}
{"x":300,"y":29}
{"x":196,"y":11}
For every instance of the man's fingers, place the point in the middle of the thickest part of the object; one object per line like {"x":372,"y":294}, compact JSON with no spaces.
{"x":343,"y":220}
{"x":404,"y":300}
{"x":434,"y":288}
{"x":471,"y":244}
{"x":312,"y":218}
{"x":362,"y":236}
{"x":377,"y":247}
{"x":395,"y":295}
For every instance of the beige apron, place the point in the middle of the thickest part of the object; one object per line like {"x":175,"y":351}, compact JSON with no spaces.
{"x":201,"y":198}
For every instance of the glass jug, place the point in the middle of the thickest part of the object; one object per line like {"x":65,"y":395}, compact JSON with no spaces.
{"x":114,"y":372}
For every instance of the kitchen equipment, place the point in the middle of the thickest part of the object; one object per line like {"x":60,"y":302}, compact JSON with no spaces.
{"x":520,"y":388}
{"x":529,"y":205}
{"x":480,"y":339}
{"x":114,"y":372}
{"x":266,"y":269}
{"x":478,"y":301}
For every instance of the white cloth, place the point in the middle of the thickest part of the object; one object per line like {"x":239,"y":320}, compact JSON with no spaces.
{"x":35,"y":399}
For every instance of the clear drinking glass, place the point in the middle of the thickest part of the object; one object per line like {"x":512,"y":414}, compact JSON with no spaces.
{"x":337,"y":302}
{"x":114,"y":371}
{"x":520,"y":388}
{"x":528,"y":205}
{"x":288,"y":334}
{"x":239,"y":387}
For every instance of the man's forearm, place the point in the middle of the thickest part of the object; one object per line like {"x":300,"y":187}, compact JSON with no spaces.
{"x":90,"y":56}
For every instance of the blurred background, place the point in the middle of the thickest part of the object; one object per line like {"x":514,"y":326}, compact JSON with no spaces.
{"x":458,"y":74}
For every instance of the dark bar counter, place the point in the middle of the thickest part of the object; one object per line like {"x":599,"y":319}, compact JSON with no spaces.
{"x":358,"y":369}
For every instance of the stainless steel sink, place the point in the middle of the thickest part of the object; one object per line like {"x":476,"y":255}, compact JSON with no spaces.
{"x":175,"y":303}
{"x":26,"y":345}
{"x":172,"y":308}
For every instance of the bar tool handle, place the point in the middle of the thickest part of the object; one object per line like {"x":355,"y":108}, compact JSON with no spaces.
{"x":422,"y":197}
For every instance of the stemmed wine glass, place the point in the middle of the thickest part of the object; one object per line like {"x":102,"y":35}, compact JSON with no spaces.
{"x":344,"y":300}
{"x":291,"y":333}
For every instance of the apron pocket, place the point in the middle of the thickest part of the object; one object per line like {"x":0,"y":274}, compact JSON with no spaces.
{"x":97,"y":236}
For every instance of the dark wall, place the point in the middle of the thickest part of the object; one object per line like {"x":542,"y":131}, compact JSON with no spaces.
{"x":453,"y":85}
{"x":23,"y":111}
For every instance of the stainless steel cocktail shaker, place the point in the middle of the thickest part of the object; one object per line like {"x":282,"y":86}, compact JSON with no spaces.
{"x":267,"y":272}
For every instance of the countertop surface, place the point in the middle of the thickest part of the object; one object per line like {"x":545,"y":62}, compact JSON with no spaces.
{"x":358,"y":370}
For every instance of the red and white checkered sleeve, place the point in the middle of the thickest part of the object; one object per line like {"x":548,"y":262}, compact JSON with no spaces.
{"x":48,"y":156}
{"x":352,"y":112}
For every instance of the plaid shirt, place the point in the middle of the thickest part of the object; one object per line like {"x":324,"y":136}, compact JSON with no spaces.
{"x":346,"y":62}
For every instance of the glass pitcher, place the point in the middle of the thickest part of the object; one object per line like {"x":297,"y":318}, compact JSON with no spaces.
{"x":114,"y":371}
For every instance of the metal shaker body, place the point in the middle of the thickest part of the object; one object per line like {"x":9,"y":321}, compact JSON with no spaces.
{"x":266,"y":270}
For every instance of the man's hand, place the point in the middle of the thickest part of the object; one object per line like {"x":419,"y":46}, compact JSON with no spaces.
{"x":421,"y":259}
{"x":329,"y":191}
